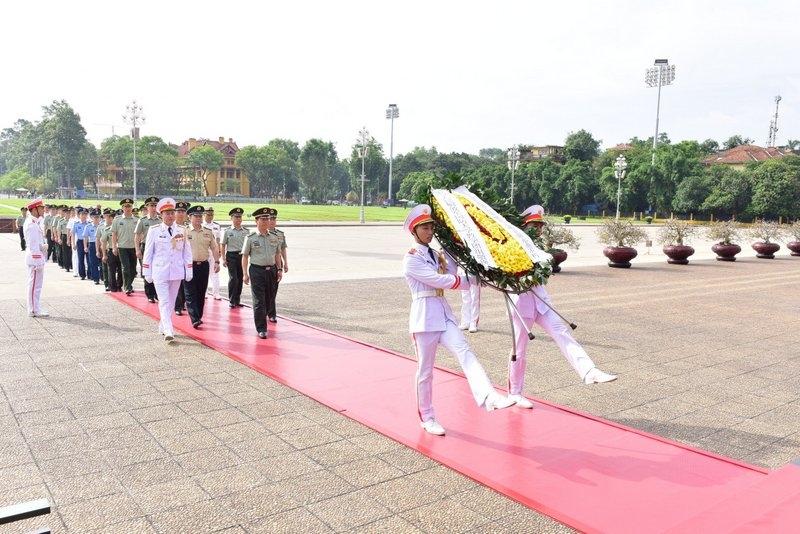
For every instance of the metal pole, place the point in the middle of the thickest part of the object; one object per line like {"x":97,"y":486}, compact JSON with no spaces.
{"x":392,"y":112}
{"x":619,"y":190}
{"x":658,"y":109}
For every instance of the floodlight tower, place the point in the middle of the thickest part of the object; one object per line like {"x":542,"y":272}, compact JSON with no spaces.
{"x":513,"y":165}
{"x":773,"y":124}
{"x":392,"y":112}
{"x":661,"y":74}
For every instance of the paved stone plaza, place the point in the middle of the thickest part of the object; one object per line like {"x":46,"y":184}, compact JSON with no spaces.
{"x":122,"y":434}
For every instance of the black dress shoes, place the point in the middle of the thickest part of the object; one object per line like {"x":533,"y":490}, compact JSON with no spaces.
{"x":196,"y":324}
{"x":262,"y":335}
{"x":151,"y":300}
{"x":273,"y":320}
{"x":178,"y":312}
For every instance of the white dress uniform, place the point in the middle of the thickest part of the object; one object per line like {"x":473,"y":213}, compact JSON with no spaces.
{"x":431,"y":322}
{"x":534,"y":311}
{"x":35,"y":258}
{"x":167,"y":260}
{"x":470,"y":305}
{"x":213,"y":277}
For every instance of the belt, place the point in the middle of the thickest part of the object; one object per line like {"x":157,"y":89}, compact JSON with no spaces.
{"x":426,"y":294}
{"x":262,"y":266}
{"x":200,"y":262}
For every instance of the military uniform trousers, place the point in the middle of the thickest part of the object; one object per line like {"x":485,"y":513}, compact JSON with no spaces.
{"x":149,"y":288}
{"x":81,"y":251}
{"x":196,"y":291}
{"x":66,"y":253}
{"x":51,"y":248}
{"x":261,"y":285}
{"x":113,"y":271}
{"x":235,"y":276}
{"x":127,"y":258}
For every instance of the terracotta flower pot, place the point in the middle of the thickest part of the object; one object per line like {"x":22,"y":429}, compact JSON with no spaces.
{"x":766,"y":250}
{"x":620,"y":256}
{"x":726,"y":252}
{"x":794,"y":246}
{"x":559,"y":256}
{"x":678,"y":254}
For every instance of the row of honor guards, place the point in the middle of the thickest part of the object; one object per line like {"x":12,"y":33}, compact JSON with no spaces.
{"x":104,"y":245}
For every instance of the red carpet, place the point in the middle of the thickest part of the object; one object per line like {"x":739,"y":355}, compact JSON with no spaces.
{"x":588,"y":473}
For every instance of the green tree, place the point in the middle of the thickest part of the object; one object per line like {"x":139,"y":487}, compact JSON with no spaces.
{"x":205,"y":159}
{"x":255,"y":161}
{"x":157,"y":164}
{"x":691,"y":194}
{"x":581,"y":146}
{"x":416,"y":184}
{"x":736,"y":140}
{"x":317,"y":158}
{"x":576,"y":185}
{"x":62,"y":137}
{"x":776,"y":188}
{"x":730,"y":191}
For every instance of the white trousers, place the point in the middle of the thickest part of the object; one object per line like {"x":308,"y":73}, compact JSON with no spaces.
{"x":558,"y":331}
{"x":452,"y":339}
{"x":471,"y":305}
{"x":213,"y":278}
{"x":35,"y":279}
{"x":167,"y":291}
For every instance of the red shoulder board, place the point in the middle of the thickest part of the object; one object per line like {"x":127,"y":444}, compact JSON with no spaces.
{"x":412,"y":251}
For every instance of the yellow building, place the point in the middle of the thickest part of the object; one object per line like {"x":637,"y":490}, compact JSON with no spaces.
{"x":229,"y":179}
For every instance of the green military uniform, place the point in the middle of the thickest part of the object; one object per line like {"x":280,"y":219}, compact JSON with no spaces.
{"x":123,"y":230}
{"x":262,"y":252}
{"x":232,"y":243}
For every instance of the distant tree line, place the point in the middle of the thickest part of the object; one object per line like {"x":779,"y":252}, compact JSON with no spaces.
{"x":54,"y":153}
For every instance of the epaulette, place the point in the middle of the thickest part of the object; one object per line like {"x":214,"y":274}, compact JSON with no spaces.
{"x":412,"y":251}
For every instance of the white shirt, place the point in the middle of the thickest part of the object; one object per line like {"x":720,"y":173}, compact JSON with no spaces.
{"x":429,"y":313}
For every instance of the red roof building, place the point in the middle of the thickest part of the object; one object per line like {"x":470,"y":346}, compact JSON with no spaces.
{"x":740,"y":155}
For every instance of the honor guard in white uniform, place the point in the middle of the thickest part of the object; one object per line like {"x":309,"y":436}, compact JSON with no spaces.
{"x":35,"y":255}
{"x":213,"y":273}
{"x":167,"y":261}
{"x":533,"y":307}
{"x":431,"y":321}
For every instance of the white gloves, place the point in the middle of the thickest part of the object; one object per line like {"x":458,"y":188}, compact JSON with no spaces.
{"x":38,"y":268}
{"x":189,"y":276}
{"x":148,"y":279}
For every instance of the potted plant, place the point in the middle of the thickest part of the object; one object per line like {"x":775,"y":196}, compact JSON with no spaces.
{"x":767,"y":232}
{"x":620,"y":236}
{"x":725,"y":233}
{"x":554,"y":236}
{"x":648,"y":219}
{"x":794,"y":230}
{"x":567,"y":218}
{"x":675,"y":236}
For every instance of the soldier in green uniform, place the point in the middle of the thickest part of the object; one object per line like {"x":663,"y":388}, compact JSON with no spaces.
{"x":63,"y":239}
{"x":122,"y":242}
{"x":260,"y":256}
{"x":283,"y":265}
{"x":149,"y":219}
{"x":181,"y":220}
{"x":112,"y":269}
{"x":19,"y":222}
{"x":231,"y":254}
{"x":204,"y":246}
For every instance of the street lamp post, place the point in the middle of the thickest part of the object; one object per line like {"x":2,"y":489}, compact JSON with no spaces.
{"x":661,"y":74}
{"x":392,"y":112}
{"x":134,"y":116}
{"x":363,"y":147}
{"x":513,"y":165}
{"x":619,"y":171}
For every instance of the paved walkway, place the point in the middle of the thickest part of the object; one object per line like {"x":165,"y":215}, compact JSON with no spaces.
{"x":122,"y":434}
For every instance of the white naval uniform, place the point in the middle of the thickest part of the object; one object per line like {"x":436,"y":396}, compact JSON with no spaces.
{"x":167,"y":260}
{"x":213,"y":277}
{"x":35,"y":258}
{"x":533,"y":310}
{"x":470,"y":304}
{"x":431,"y":322}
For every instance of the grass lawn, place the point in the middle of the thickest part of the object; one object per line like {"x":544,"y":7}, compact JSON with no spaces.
{"x":286,"y":212}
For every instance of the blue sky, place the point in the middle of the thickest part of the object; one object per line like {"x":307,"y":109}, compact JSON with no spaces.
{"x":466,"y":75}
